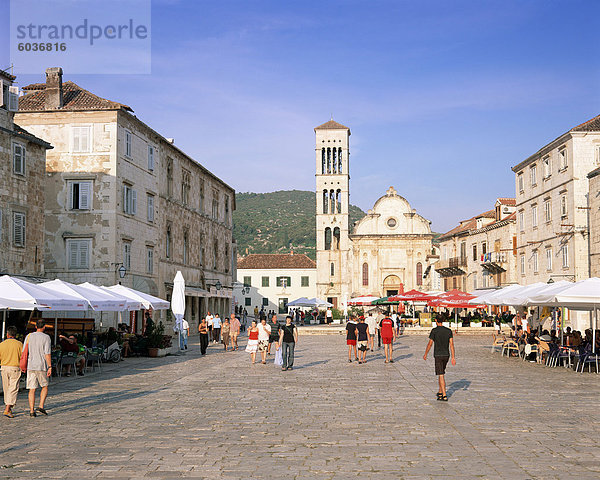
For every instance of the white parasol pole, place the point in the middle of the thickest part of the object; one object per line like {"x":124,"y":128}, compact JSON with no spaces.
{"x":594,"y":329}
{"x":3,"y":325}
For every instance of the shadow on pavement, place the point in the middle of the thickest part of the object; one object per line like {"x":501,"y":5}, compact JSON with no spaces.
{"x":311,"y":364}
{"x":101,"y":399}
{"x":458,"y":385}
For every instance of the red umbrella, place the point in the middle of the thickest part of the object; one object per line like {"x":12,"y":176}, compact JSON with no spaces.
{"x":411,"y":296}
{"x":452,"y":299}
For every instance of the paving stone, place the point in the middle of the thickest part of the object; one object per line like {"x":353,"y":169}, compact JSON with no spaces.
{"x":219,"y":417}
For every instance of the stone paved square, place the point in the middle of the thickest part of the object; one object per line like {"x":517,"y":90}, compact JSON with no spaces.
{"x":219,"y":417}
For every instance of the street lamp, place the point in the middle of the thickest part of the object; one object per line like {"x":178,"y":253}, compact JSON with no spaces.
{"x":122,"y":271}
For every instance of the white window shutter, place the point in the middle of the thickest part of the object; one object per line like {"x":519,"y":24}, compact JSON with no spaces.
{"x":84,"y":141}
{"x":133,"y":202}
{"x":70,"y":196}
{"x":1,"y":93}
{"x":72,"y":252}
{"x":84,"y":254}
{"x":125,"y":188}
{"x":84,"y":195}
{"x":13,"y":99}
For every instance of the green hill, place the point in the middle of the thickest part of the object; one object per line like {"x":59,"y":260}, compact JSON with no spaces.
{"x":277,"y":221}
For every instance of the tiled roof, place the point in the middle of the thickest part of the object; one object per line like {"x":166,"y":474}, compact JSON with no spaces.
{"x":331,"y":125}
{"x":273,"y":261}
{"x":20,"y":131}
{"x":74,"y":98}
{"x":507,"y":201}
{"x":592,"y":125}
{"x":7,"y":75}
{"x":471,"y":224}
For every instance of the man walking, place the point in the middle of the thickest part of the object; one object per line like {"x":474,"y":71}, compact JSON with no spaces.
{"x":235,"y":326}
{"x":39,"y":366}
{"x":274,"y":335}
{"x":288,"y":338}
{"x":10,"y":355}
{"x":441,"y":338}
{"x":184,"y":334}
{"x":371,"y":321}
{"x":217,"y":328}
{"x":388,"y":335}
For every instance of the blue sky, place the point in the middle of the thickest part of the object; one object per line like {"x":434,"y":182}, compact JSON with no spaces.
{"x":442,"y":97}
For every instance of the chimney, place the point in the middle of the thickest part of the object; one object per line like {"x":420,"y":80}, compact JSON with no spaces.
{"x":54,"y":90}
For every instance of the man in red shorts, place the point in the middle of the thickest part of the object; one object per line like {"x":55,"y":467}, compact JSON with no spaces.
{"x":388,"y":335}
{"x":351,"y":337}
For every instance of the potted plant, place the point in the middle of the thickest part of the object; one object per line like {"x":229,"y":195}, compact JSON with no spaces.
{"x":157,"y":341}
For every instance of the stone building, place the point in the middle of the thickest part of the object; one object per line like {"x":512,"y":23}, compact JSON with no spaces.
{"x":120,"y":194}
{"x":552,"y":199}
{"x":480,"y":252}
{"x":270,"y":281}
{"x":389,"y":250}
{"x":22,"y":170}
{"x":594,"y":217}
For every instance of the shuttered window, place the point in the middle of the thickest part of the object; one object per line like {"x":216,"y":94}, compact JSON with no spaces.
{"x":18,"y":159}
{"x":150,"y":157}
{"x":150,"y":204}
{"x":78,"y":253}
{"x":129,"y":200}
{"x":149,"y":260}
{"x":128,"y":142}
{"x":80,"y":195}
{"x":81,"y":139}
{"x":18,"y":229}
{"x":127,"y":255}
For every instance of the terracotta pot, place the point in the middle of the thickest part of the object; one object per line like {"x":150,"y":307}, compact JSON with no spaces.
{"x":152,"y":352}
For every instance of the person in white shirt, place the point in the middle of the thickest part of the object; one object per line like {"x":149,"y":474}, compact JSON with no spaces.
{"x":209,"y":322}
{"x":329,"y":316}
{"x":264,"y":332}
{"x":394,"y":318}
{"x":217,"y":328}
{"x":371,"y":321}
{"x":185,"y":332}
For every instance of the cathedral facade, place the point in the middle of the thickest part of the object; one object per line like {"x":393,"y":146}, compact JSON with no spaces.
{"x":388,"y":251}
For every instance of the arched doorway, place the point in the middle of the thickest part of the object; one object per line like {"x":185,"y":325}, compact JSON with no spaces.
{"x":392,"y":286}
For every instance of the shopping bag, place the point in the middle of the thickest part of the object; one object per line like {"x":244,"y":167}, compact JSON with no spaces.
{"x":24,"y":356}
{"x":278,"y":357}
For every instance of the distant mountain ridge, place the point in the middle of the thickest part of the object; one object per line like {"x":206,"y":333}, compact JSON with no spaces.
{"x":277,"y":222}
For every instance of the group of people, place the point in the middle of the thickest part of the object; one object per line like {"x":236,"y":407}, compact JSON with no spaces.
{"x":212,"y":329}
{"x":261,"y":337}
{"x":360,"y":336}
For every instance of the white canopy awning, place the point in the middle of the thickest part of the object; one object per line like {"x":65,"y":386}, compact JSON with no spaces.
{"x":148,"y":301}
{"x":20,"y":290}
{"x":8,"y":304}
{"x":130,"y":304}
{"x":583,"y":295}
{"x":97,"y":299}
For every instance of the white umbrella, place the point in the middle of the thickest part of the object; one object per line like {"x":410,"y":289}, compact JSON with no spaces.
{"x":317,"y":302}
{"x":364,"y":300}
{"x":498,"y":296}
{"x":519,"y":296}
{"x":148,"y":301}
{"x":17,"y":289}
{"x":130,"y":304}
{"x":8,"y":304}
{"x":97,"y":300}
{"x":300,"y":302}
{"x":178,"y":302}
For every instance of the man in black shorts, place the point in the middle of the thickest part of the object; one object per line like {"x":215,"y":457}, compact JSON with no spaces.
{"x":274,"y":336}
{"x":441,"y":338}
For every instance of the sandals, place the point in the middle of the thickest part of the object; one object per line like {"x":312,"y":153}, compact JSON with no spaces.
{"x":442,"y":398}
{"x":42,"y":411}
{"x":439,"y":395}
{"x":8,"y":415}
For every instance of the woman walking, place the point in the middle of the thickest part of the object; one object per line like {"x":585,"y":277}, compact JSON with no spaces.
{"x":225,"y":329}
{"x":252,"y":341}
{"x":264,"y":332}
{"x":203,"y":331}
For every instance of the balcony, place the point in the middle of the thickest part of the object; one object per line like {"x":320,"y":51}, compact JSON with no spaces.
{"x":451,"y":267}
{"x":495,"y":262}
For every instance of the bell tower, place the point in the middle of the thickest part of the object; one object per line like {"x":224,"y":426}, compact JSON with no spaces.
{"x":334,"y":278}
